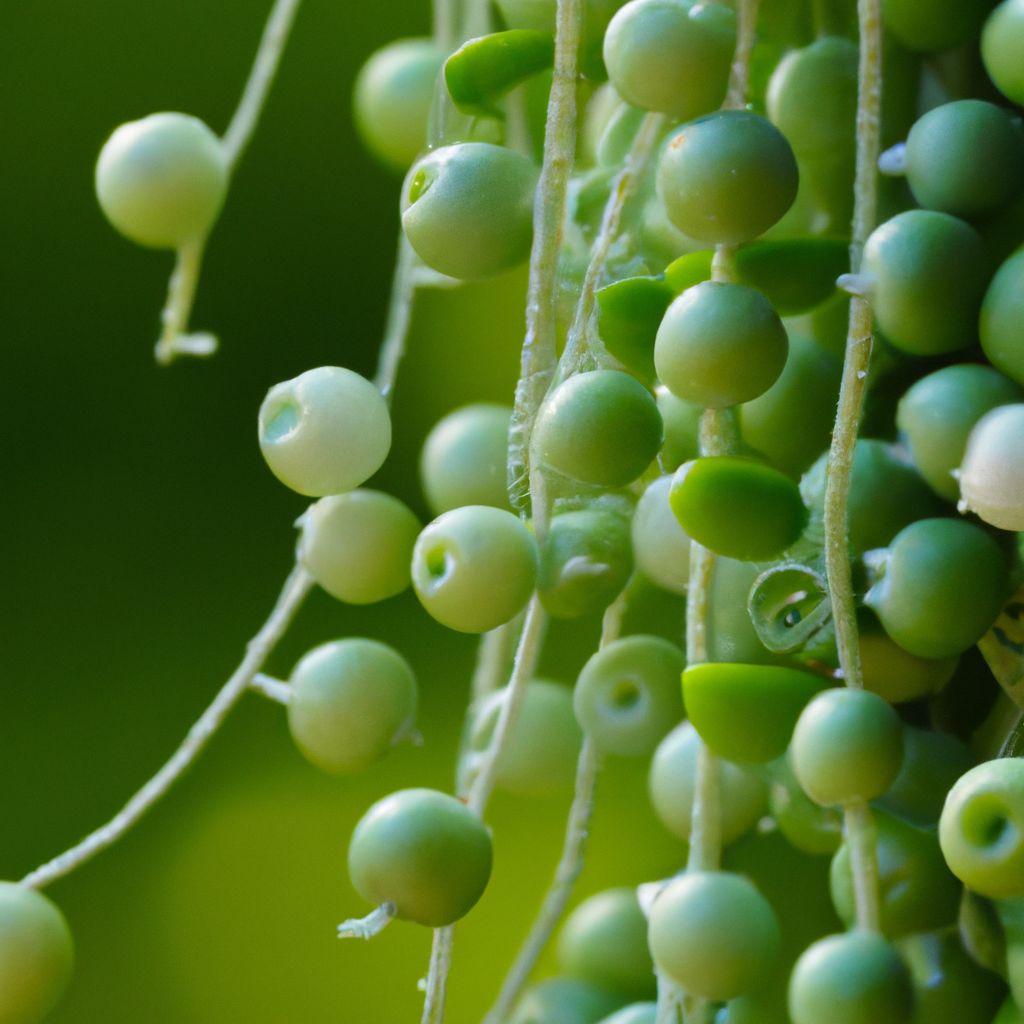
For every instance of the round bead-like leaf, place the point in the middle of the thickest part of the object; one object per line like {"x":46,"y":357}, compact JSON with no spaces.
{"x":628,"y":696}
{"x":464,"y":456}
{"x":467,"y":209}
{"x":992,"y":474}
{"x":847,"y":746}
{"x":982,"y":828}
{"x":474,"y":568}
{"x":324,"y":432}
{"x":351,"y":700}
{"x":601,"y":427}
{"x":36,"y":954}
{"x":727,"y":178}
{"x":720,"y":344}
{"x":670,"y":56}
{"x":604,"y":940}
{"x":358,"y":545}
{"x":714,"y":933}
{"x":425,"y":852}
{"x":393,"y":94}
{"x":736,"y":507}
{"x":161,"y":181}
{"x":854,"y":978}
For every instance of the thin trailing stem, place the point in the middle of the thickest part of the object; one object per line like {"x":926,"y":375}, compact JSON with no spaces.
{"x":437,"y":976}
{"x":446,"y":24}
{"x":493,"y":654}
{"x":860,"y":835}
{"x":492,"y":659}
{"x":558,"y":895}
{"x":482,"y":785}
{"x":702,"y":563}
{"x":859,"y":826}
{"x":718,"y":437}
{"x":451,"y":19}
{"x":408,"y":266}
{"x":259,"y":647}
{"x":670,"y":1000}
{"x":706,"y":827}
{"x":739,"y":80}
{"x":175,"y":339}
{"x":399,"y":319}
{"x":478,"y":20}
{"x":539,"y":353}
{"x":523,"y":670}
{"x":261,"y":78}
{"x":623,"y":189}
{"x":570,"y":864}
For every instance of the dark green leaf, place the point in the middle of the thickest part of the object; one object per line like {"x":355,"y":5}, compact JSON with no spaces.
{"x":629,"y":312}
{"x":796,"y":274}
{"x":688,"y":270}
{"x":482,"y":70}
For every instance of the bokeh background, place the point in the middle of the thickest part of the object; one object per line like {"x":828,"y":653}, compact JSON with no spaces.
{"x":144,"y":541}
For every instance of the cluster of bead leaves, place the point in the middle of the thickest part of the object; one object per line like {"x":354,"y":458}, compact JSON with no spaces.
{"x":686,"y":224}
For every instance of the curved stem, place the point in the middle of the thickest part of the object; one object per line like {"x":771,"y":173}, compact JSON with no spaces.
{"x":523,"y":670}
{"x":481,"y":787}
{"x":399,"y":319}
{"x":259,"y":647}
{"x":557,"y":897}
{"x":261,"y":77}
{"x":539,"y":353}
{"x":859,"y":826}
{"x":624,"y":188}
{"x":570,"y":863}
{"x":492,"y":659}
{"x":367,"y":927}
{"x":451,"y":19}
{"x":493,"y":653}
{"x":174,"y":338}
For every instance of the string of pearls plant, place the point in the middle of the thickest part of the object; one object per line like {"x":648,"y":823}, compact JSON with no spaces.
{"x":762,"y":388}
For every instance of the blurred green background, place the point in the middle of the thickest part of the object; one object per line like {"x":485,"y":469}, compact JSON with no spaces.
{"x":144,"y":540}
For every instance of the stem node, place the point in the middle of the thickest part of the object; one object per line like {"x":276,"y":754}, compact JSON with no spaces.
{"x":367,"y":927}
